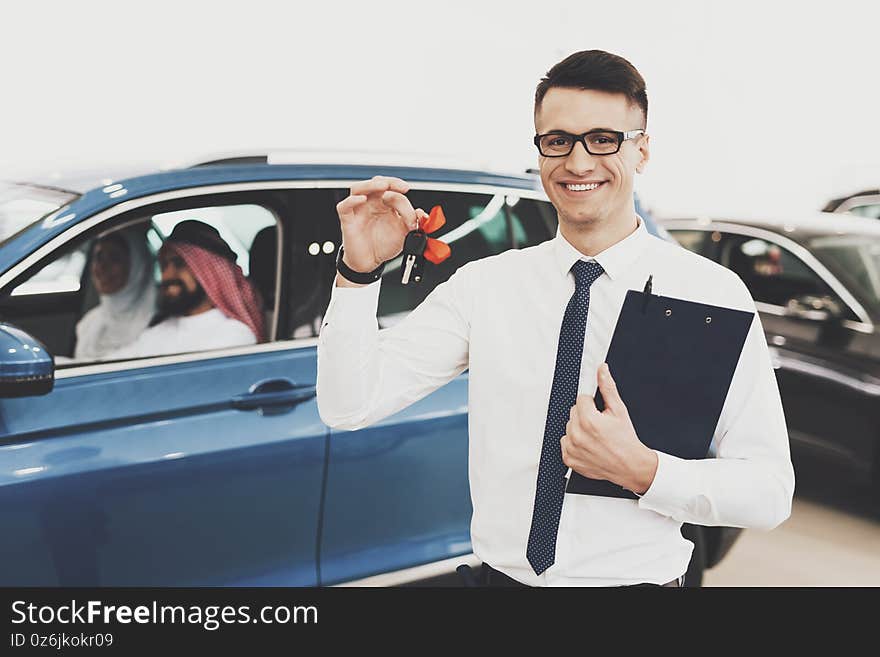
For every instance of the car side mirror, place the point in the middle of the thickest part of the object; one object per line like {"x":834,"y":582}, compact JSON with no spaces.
{"x":813,"y":307}
{"x":26,"y":368}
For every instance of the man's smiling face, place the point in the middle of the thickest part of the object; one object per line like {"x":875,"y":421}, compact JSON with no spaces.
{"x":179,"y":292}
{"x":591,"y":190}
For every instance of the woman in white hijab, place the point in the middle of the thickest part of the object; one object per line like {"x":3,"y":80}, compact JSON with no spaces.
{"x":122,"y":272}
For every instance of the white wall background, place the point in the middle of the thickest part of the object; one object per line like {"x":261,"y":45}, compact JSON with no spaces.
{"x":755,"y":106}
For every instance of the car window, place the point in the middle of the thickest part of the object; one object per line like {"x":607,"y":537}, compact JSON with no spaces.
{"x":49,"y":302}
{"x":313,"y":237}
{"x":101,"y":297}
{"x":870,"y":210}
{"x":238,"y":225}
{"x":250,"y":231}
{"x":477,"y":226}
{"x":855,"y":259}
{"x":698,"y":241}
{"x":532,"y":221}
{"x":22,"y":204}
{"x":773,"y":274}
{"x":57,"y":276}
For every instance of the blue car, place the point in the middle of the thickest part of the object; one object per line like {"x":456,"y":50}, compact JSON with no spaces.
{"x":213,"y":468}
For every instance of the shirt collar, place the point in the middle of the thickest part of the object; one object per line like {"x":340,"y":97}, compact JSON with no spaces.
{"x":615,"y":260}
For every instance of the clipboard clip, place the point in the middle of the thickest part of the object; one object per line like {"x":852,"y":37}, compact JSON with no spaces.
{"x":647,"y":293}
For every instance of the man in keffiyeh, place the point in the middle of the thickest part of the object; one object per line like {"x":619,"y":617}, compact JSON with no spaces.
{"x":205,"y":301}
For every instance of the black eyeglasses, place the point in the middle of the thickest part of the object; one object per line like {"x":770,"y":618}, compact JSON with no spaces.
{"x":597,"y":142}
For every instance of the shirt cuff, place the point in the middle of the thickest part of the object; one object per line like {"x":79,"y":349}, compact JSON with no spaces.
{"x":670,"y":491}
{"x":349,"y":306}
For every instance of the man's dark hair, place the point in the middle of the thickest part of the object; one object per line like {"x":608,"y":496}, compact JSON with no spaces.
{"x":596,"y":70}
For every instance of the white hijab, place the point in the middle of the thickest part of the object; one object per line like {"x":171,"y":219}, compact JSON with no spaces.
{"x":120,"y":317}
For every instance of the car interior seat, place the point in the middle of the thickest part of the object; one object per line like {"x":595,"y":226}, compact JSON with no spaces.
{"x":262,"y":271}
{"x":311,"y":279}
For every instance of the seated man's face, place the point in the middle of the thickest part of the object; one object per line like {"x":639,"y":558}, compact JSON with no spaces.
{"x":179,"y":291}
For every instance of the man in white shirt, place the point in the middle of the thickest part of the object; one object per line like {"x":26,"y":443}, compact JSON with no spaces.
{"x":205,"y":301}
{"x":502,"y":318}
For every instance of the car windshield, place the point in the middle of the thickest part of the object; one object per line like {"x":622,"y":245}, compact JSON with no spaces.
{"x":22,"y":204}
{"x":855,"y":258}
{"x":870,"y":210}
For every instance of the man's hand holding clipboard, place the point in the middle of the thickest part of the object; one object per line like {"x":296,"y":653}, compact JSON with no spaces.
{"x":604,"y":444}
{"x":673,"y":362}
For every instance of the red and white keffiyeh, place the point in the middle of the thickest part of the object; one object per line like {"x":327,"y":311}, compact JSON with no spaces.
{"x":225,"y":284}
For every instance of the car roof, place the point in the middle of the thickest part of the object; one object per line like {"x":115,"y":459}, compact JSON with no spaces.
{"x":98,"y":198}
{"x":104,"y":196}
{"x":144,"y":177}
{"x":835,"y":203}
{"x":85,"y":179}
{"x":800,"y":227}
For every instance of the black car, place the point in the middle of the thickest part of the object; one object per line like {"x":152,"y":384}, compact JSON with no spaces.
{"x":816,"y":283}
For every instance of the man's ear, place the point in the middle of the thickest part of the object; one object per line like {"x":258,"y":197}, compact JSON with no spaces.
{"x":645,"y":152}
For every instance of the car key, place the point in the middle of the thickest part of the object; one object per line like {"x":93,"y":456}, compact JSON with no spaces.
{"x":413,"y":256}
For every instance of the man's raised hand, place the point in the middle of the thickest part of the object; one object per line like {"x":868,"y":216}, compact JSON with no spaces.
{"x":375,"y":219}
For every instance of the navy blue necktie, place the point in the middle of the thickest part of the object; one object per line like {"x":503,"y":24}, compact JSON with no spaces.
{"x":550,"y":491}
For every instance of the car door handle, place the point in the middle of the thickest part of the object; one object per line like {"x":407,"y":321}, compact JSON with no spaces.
{"x":277,"y":392}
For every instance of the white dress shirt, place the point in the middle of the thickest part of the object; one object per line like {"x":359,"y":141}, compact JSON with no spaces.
{"x":208,"y":330}
{"x":500,"y":317}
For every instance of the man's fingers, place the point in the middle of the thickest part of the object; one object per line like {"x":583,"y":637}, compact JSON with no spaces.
{"x":586,"y":412}
{"x":402,"y":206}
{"x":609,"y":391}
{"x":380,"y":184}
{"x":370,"y":186}
{"x":397,"y":184}
{"x":585,"y":406}
{"x":563,"y":446}
{"x":346,"y":206}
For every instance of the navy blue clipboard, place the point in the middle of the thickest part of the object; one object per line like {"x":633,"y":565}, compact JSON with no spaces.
{"x":673,"y":361}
